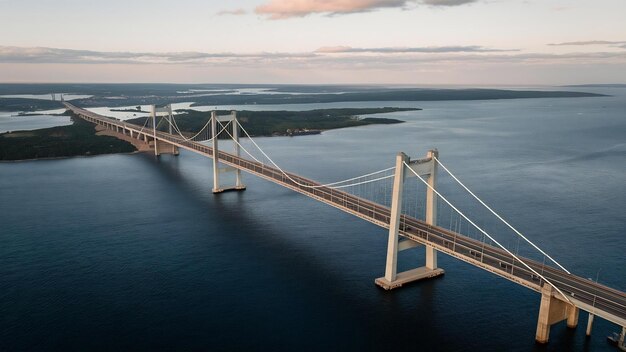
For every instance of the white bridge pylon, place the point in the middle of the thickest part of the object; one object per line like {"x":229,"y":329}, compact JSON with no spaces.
{"x":423,"y":167}
{"x":164,"y":112}
{"x":224,"y":121}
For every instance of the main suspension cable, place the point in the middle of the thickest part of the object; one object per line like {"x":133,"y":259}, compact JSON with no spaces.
{"x":498,"y":216}
{"x":485,"y":232}
{"x":329,"y":185}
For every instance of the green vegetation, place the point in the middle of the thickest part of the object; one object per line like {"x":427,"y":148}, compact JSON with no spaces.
{"x":268,"y":123}
{"x":64,"y":141}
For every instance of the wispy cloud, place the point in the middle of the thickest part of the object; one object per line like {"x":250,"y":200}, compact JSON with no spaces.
{"x":410,"y":62}
{"x":406,"y":50}
{"x":281,"y":9}
{"x":327,"y":57}
{"x":13,"y":54}
{"x":590,"y":42}
{"x":235,"y":12}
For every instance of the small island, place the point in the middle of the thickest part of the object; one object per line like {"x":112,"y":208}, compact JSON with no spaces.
{"x":83,"y":138}
{"x":137,"y":109}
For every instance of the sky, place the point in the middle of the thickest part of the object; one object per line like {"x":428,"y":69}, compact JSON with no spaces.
{"x":412,"y":42}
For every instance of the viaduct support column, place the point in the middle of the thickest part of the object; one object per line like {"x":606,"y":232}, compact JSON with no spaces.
{"x":552,"y":311}
{"x":589,"y":324}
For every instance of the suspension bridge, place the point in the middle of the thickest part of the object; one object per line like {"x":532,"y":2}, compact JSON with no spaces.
{"x":411,"y":222}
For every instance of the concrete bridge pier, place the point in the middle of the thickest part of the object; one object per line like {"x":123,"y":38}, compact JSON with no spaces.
{"x":392,"y":278}
{"x":162,"y":147}
{"x":216,"y":122}
{"x":589,"y":324}
{"x":553,"y":310}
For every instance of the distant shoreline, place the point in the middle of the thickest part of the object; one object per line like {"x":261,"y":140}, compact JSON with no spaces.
{"x":598,"y":85}
{"x":69,"y":157}
{"x":268,"y":94}
{"x":130,"y":110}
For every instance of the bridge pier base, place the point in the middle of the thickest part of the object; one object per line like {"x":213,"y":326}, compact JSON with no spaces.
{"x":551,"y":311}
{"x":229,"y":189}
{"x":572,"y":317}
{"x":408,"y":276}
{"x":162,"y":147}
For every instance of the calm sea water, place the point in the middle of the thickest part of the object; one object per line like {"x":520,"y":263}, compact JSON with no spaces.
{"x":11,"y":121}
{"x":129,"y":252}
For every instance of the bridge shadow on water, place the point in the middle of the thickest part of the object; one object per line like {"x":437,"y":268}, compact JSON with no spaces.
{"x":353,"y":323}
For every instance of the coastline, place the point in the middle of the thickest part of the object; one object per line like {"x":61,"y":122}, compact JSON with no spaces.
{"x":78,"y":139}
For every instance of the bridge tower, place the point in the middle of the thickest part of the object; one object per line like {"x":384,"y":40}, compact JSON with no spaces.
{"x":217,"y":121}
{"x":161,"y":147}
{"x":423,"y":167}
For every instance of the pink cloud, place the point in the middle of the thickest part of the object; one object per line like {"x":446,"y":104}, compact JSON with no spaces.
{"x":235,"y":12}
{"x":280,"y":9}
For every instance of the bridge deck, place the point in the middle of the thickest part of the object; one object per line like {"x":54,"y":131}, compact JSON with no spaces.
{"x":590,"y":296}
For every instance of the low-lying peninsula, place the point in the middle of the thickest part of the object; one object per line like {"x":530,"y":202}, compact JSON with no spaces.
{"x":80,"y":138}
{"x":76,"y":139}
{"x":277,"y":123}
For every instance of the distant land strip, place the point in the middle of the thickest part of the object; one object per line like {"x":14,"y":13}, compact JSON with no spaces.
{"x":122,"y":95}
